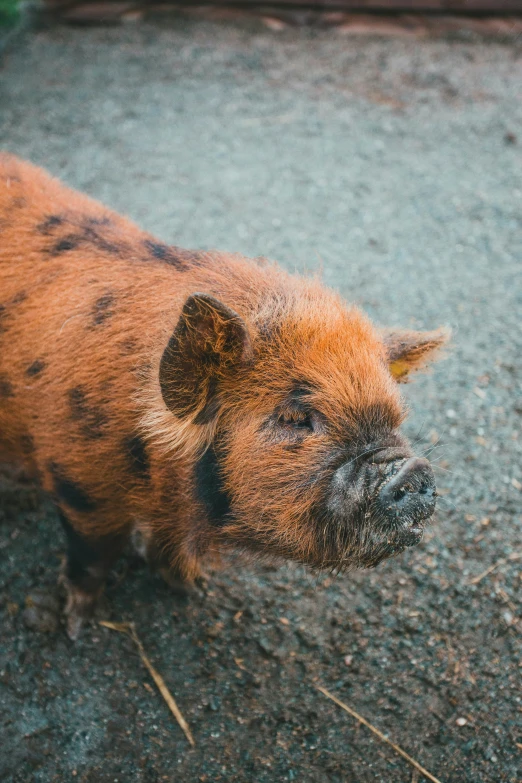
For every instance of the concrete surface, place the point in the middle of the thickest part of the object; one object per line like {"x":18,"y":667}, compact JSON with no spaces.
{"x":395,"y":167}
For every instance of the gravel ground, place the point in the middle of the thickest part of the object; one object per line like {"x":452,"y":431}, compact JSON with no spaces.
{"x":395,"y":167}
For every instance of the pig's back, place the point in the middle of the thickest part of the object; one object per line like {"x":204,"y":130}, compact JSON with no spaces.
{"x":87,"y":305}
{"x":86,"y":298}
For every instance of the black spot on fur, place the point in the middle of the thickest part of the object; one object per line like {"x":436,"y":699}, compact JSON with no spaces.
{"x":102,"y":309}
{"x":156,"y":249}
{"x":88,"y":559}
{"x":70,"y":242}
{"x":69,"y":491}
{"x":86,"y":233}
{"x":77,"y":402}
{"x":27,"y":444}
{"x":138,"y":457}
{"x":81,"y":556}
{"x":209,"y":488}
{"x":6,"y":387}
{"x":92,"y":236}
{"x":98,"y":221}
{"x":91,"y":419}
{"x":190,"y":257}
{"x":49,"y":224}
{"x":4,"y":309}
{"x":168,"y":255}
{"x":36,"y":367}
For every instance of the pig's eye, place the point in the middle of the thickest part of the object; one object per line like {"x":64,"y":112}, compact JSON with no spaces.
{"x":296,"y":420}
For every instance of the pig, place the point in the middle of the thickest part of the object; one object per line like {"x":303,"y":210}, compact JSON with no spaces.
{"x":196,"y":402}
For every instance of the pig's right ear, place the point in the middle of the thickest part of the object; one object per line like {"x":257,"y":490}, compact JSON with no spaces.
{"x":209,"y":343}
{"x":409,"y":351}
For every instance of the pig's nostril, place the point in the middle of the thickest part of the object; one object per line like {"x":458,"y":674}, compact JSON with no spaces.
{"x":410,"y":493}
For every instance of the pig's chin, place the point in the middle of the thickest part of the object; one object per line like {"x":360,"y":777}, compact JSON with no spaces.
{"x":385,"y":544}
{"x":368,"y":544}
{"x":390,"y":547}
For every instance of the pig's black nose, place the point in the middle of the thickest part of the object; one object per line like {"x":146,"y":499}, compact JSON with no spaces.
{"x":410,"y":494}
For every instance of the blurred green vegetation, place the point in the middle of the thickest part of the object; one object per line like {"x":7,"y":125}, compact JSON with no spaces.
{"x":8,"y":12}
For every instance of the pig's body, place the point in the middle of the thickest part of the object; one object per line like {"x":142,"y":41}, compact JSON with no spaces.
{"x":88,"y":303}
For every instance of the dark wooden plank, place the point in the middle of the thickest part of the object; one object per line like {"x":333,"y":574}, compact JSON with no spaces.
{"x":461,"y":7}
{"x":450,"y":6}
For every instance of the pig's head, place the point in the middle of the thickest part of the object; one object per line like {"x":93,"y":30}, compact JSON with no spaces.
{"x":300,"y":407}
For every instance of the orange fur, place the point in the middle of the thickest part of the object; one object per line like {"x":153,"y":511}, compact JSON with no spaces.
{"x":88,"y":303}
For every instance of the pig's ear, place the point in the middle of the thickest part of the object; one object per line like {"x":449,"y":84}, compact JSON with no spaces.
{"x":209,"y":343}
{"x":409,"y":351}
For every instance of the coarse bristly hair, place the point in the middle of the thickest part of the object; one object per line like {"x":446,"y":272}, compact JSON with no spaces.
{"x":172,"y":391}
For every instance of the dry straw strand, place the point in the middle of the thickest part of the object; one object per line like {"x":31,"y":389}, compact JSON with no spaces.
{"x":503,"y":561}
{"x":379,"y":734}
{"x":130,"y":630}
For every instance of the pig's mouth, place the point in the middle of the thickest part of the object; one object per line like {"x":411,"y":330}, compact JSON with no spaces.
{"x":380,"y":546}
{"x":400,"y":501}
{"x":400,"y":511}
{"x":409,"y":535}
{"x":367,"y":544}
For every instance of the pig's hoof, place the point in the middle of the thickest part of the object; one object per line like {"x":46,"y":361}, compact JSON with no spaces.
{"x":79,"y":607}
{"x":74,"y":626}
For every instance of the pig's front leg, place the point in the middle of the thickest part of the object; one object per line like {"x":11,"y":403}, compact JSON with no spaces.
{"x":85,"y":570}
{"x":145,"y":545}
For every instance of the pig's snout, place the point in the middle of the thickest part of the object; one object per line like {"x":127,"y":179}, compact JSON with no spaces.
{"x":396,"y":496}
{"x":410,"y":494}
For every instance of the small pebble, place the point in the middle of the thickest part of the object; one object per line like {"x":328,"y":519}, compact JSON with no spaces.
{"x":348,"y":660}
{"x":490,"y":755}
{"x":461,"y":722}
{"x":44,"y":599}
{"x":215,"y":630}
{"x":38,"y":619}
{"x":42,"y":612}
